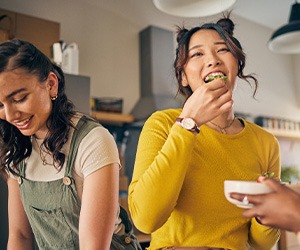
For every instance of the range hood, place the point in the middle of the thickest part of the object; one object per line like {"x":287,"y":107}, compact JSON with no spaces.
{"x":158,"y":85}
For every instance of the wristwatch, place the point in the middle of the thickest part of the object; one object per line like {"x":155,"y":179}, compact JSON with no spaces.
{"x":189,"y":124}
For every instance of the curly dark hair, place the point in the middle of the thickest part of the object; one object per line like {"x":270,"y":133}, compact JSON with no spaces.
{"x":14,"y":146}
{"x":225,"y":28}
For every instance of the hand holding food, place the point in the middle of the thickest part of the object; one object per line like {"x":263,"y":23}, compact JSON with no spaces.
{"x":264,"y":176}
{"x":209,"y":100}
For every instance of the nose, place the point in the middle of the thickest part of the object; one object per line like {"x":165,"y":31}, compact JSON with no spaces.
{"x":2,"y":116}
{"x":213,"y":63}
{"x":213,"y":60}
{"x":9,"y":113}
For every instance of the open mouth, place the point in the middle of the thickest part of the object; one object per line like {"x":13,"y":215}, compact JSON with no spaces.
{"x":23,"y":122}
{"x":215,"y":75}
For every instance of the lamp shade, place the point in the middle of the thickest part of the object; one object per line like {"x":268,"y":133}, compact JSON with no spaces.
{"x":193,"y":8}
{"x":286,"y":40}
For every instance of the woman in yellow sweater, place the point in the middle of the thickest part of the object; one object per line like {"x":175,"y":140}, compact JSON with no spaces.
{"x":184,"y":155}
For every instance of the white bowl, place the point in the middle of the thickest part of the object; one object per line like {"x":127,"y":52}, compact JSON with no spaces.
{"x":244,"y":187}
{"x":294,"y":186}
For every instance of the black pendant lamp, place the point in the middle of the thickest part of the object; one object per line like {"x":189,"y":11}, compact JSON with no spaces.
{"x":286,"y":40}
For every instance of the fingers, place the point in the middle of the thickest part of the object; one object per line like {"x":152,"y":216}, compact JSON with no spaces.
{"x":273,"y":184}
{"x":223,"y":97}
{"x":226,"y":105}
{"x":216,"y":84}
{"x":220,"y":99}
{"x":237,"y":196}
{"x":208,"y":101}
{"x":252,"y":213}
{"x":248,"y":198}
{"x":245,"y":200}
{"x":249,"y":213}
{"x":213,"y":90}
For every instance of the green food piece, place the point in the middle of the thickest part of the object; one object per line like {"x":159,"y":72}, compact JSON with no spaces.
{"x":268,"y":175}
{"x":211,"y":77}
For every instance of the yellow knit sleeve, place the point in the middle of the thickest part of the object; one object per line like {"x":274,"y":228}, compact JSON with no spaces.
{"x":163,"y":151}
{"x":262,"y":237}
{"x":274,"y":161}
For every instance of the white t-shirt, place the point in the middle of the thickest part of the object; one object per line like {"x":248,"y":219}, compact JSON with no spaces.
{"x":96,"y":150}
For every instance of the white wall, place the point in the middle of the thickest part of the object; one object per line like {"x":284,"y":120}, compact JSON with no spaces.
{"x":107,"y":34}
{"x":108,"y":43}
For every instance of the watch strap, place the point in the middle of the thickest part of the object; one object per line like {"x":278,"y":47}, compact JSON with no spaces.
{"x":193,"y":129}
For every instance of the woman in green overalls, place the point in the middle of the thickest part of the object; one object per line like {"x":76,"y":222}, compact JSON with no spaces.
{"x":61,"y":167}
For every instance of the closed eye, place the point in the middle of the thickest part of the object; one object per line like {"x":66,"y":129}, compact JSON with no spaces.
{"x":196,"y":54}
{"x":224,"y":50}
{"x":20,"y":100}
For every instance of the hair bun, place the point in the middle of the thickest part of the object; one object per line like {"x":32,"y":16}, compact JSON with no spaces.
{"x":180,"y":33}
{"x":227,"y":25}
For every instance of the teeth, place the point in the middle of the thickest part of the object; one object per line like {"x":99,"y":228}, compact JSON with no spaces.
{"x":21,"y":123}
{"x":215,"y":75}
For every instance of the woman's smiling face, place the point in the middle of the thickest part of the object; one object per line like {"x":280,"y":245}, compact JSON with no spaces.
{"x":25,"y":101}
{"x":208,"y":55}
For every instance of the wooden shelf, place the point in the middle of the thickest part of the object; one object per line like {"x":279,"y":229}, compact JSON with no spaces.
{"x":285,"y":133}
{"x":110,"y":117}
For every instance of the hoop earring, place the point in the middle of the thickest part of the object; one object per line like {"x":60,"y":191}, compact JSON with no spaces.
{"x":53,"y":98}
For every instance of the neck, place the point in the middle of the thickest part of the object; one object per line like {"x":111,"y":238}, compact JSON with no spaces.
{"x":224,"y":120}
{"x":223,"y":125}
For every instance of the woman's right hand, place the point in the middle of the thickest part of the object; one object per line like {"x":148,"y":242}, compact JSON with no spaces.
{"x":208,"y":101}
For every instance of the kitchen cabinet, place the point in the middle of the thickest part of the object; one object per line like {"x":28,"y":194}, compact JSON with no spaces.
{"x":42,"y":33}
{"x":109,"y":117}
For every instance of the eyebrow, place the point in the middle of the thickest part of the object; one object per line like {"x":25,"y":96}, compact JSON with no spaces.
{"x":199,"y":46}
{"x":15,"y":92}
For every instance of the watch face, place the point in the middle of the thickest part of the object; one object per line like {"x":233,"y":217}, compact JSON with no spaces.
{"x":188,"y":123}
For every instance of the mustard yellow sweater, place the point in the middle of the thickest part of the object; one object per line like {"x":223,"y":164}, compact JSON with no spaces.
{"x":177,"y":194}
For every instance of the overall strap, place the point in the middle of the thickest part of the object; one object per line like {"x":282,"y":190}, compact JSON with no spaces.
{"x":22,"y":168}
{"x":83,"y":127}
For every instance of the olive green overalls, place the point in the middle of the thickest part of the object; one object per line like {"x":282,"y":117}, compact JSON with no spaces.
{"x":53,"y":207}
